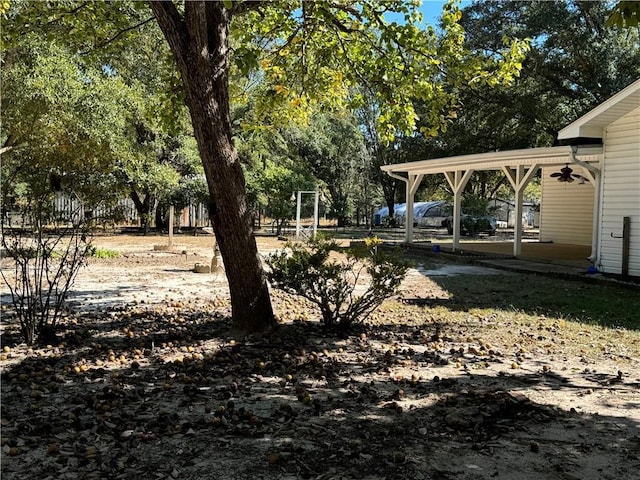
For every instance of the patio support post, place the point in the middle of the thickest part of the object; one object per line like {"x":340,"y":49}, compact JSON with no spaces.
{"x":519,"y":178}
{"x":517,"y":228}
{"x":457,"y":181}
{"x":413,"y":183}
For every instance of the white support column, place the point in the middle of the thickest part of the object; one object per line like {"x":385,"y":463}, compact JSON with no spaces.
{"x":298,"y":208}
{"x":412,"y":187}
{"x":315,"y":213}
{"x":519,"y":178}
{"x":457,"y":181}
{"x":171,"y":213}
{"x":411,"y":183}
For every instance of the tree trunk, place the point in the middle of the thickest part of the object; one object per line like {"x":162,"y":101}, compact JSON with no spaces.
{"x":389,"y":193}
{"x":161,"y":221}
{"x":143,"y":207}
{"x":200,"y":45}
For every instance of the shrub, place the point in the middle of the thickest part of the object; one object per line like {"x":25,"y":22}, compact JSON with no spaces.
{"x":335,"y":286}
{"x":47,"y":256}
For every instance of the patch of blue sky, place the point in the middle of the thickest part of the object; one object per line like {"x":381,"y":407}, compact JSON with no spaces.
{"x":431,"y":11}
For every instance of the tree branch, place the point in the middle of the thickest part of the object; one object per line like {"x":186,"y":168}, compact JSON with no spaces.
{"x":73,"y":11}
{"x":242,"y":7}
{"x":351,"y":10}
{"x":9,"y":144}
{"x":115,"y":37}
{"x":337,"y":23}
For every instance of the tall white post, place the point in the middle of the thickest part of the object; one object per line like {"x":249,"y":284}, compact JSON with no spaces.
{"x":517,"y":228}
{"x":315,"y":213}
{"x":519,"y":178}
{"x":413,"y":182}
{"x":457,"y":216}
{"x":171,"y":226}
{"x":408,"y":214}
{"x":457,"y":181}
{"x":298,"y":207}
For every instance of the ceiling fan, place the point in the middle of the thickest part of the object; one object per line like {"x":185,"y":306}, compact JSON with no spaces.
{"x":565,"y":175}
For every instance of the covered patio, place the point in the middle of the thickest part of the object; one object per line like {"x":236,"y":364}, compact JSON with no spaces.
{"x":519,"y":167}
{"x":556,"y":253}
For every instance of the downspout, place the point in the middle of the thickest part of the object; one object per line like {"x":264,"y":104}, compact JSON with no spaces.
{"x":596,"y":178}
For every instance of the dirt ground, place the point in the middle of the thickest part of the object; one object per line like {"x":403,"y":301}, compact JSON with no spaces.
{"x":147,"y":383}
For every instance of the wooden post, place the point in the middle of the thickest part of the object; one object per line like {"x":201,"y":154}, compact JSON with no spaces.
{"x":171,"y":226}
{"x":626,"y":237}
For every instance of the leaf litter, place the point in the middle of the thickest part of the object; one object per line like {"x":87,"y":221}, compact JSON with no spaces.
{"x":150,"y":384}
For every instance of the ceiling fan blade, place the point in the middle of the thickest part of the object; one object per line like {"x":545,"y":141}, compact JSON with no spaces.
{"x":556,"y":174}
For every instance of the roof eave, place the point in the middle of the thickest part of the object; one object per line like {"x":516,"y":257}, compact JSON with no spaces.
{"x":577,"y":131}
{"x":592,"y":123}
{"x":495,"y":160}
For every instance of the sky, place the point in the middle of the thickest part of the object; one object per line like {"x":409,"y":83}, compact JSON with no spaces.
{"x":431,"y":10}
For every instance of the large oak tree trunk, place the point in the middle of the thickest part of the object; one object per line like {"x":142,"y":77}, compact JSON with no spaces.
{"x":200,"y":44}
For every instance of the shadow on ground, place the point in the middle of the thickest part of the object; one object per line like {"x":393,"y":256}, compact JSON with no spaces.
{"x":180,"y":399}
{"x":606,"y":305}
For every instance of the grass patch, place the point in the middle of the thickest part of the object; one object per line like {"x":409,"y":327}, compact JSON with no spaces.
{"x":97,"y":252}
{"x":605,"y":305}
{"x":521,"y":312}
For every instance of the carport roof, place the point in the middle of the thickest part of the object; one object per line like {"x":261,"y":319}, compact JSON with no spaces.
{"x":528,"y":157}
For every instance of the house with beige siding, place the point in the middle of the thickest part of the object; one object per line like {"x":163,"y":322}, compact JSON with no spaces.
{"x":616,"y":219}
{"x":566,"y":214}
{"x":599,"y":208}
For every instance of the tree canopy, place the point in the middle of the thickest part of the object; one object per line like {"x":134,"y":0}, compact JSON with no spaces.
{"x":60,"y":122}
{"x":333,"y":149}
{"x":103,"y":125}
{"x":298,"y":56}
{"x":575,"y":63}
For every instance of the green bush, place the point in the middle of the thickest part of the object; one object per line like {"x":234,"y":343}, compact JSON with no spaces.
{"x":336,"y":286}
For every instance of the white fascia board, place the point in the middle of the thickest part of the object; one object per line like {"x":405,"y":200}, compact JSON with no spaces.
{"x":496,"y":160}
{"x":582,"y":131}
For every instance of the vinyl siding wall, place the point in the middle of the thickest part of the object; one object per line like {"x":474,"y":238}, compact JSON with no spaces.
{"x":621,"y":193}
{"x":566,"y":210}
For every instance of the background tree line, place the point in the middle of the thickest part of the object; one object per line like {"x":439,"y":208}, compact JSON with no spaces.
{"x":118,"y":131}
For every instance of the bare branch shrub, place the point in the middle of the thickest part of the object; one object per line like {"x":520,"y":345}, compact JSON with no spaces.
{"x":47,"y":253}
